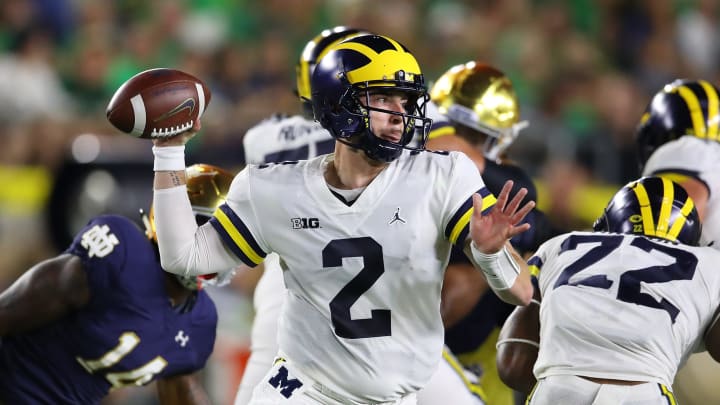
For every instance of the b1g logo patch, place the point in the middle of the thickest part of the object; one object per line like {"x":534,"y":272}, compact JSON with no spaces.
{"x":305,"y":223}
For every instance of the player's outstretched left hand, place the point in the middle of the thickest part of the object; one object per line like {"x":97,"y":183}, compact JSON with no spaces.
{"x":490,"y":232}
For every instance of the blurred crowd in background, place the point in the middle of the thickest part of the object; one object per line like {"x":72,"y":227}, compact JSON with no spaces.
{"x":584,"y":71}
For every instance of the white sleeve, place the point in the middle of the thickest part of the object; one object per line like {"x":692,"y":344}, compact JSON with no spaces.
{"x":185,"y":248}
{"x":687,"y":155}
{"x":464,"y":181}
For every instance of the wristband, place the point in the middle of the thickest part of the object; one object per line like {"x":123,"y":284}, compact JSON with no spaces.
{"x":500,"y":268}
{"x":169,"y":158}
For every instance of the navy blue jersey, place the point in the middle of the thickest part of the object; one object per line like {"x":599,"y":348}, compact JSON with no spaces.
{"x":127,"y":334}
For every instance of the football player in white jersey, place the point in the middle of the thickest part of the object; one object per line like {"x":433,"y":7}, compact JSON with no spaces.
{"x":620,"y":308}
{"x":363,"y":234}
{"x":678,"y":138}
{"x":298,"y":137}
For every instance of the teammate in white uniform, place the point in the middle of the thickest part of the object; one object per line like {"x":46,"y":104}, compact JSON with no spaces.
{"x":363,"y":234}
{"x":299,"y":137}
{"x":622,"y":307}
{"x":678,"y":138}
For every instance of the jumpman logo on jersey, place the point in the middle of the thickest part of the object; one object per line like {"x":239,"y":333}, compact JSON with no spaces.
{"x":182,"y":338}
{"x":396,"y":217}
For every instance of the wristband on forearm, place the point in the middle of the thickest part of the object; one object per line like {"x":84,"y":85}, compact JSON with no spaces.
{"x":169,"y":158}
{"x":500,"y":268}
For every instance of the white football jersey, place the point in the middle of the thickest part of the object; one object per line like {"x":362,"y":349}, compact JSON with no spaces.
{"x":282,"y":138}
{"x":276,"y":139}
{"x":698,"y":158}
{"x":622,"y":307}
{"x":362,"y":312}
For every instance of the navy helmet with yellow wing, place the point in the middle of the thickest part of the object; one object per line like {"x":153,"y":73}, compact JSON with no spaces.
{"x":311,"y":54}
{"x":683,"y":107}
{"x":207,"y":187}
{"x":482,"y":98}
{"x":346,"y":76}
{"x":655,"y":207}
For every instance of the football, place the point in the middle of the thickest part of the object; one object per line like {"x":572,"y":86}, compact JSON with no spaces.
{"x":158,"y":103}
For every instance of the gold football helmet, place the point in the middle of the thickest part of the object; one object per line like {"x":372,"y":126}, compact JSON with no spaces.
{"x":482,"y":98}
{"x":207,"y":187}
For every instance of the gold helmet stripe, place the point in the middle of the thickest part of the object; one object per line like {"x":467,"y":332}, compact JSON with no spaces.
{"x":696,"y":113}
{"x":665,"y":208}
{"x":645,"y":209}
{"x":679,"y":222}
{"x":711,"y":120}
{"x":395,"y":60}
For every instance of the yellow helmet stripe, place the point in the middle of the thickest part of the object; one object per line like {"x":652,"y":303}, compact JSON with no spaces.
{"x":695,"y":111}
{"x":395,"y":61}
{"x":665,"y":208}
{"x":680,"y":222}
{"x":645,"y":209}
{"x":711,"y":120}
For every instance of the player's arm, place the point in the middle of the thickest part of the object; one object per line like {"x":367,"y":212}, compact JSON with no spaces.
{"x":463,"y":286}
{"x":698,"y":191}
{"x":696,"y":188}
{"x":182,"y":390}
{"x":712,"y":337}
{"x":488,"y":247}
{"x":45,"y":293}
{"x":517,"y":347}
{"x":184,"y":247}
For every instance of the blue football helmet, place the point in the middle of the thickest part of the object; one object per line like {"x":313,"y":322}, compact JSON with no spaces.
{"x":683,"y":107}
{"x":314,"y":50}
{"x":655,"y":207}
{"x":344,"y":77}
{"x":207,"y":187}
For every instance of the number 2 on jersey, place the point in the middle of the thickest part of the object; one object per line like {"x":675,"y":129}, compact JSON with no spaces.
{"x":379,"y":322}
{"x":630,"y":287}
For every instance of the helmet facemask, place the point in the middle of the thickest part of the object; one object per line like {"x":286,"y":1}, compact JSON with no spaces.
{"x":355,"y":103}
{"x":497,"y":139}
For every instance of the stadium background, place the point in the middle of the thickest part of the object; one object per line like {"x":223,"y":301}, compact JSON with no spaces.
{"x":584,"y":71}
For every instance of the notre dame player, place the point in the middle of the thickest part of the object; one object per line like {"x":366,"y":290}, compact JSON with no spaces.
{"x":477,"y":103}
{"x":104,"y":315}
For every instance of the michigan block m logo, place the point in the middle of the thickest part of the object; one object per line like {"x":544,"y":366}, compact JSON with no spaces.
{"x":280,"y":380}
